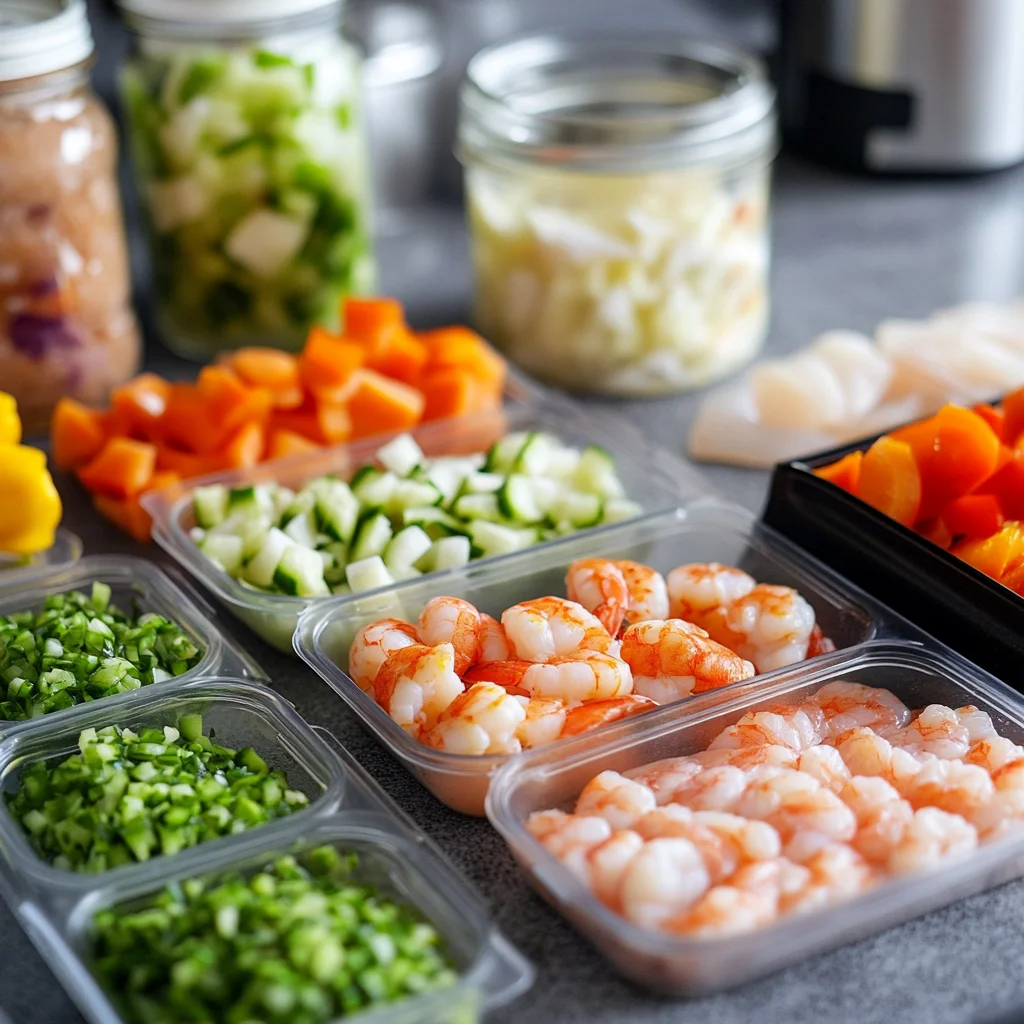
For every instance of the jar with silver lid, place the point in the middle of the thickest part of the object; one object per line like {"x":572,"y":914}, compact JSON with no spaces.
{"x":251,"y":159}
{"x":618,"y":205}
{"x":66,"y":322}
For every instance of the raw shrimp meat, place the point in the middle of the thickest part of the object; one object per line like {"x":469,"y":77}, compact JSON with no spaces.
{"x":663,"y":879}
{"x":596,"y":713}
{"x":494,"y":645}
{"x":617,"y":591}
{"x":932,"y":836}
{"x":482,"y":720}
{"x":994,"y":753}
{"x":575,"y":678}
{"x":416,"y":684}
{"x":770,"y":626}
{"x":697,"y":591}
{"x":450,"y":620}
{"x":937,"y":730}
{"x":977,"y":722}
{"x":851,"y":705}
{"x":551,"y":627}
{"x":671,"y":659}
{"x":620,"y":801}
{"x":372,"y":646}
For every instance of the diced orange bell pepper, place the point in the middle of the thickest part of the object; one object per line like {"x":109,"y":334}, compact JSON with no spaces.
{"x":844,"y":473}
{"x":452,"y":392}
{"x":461,"y":347}
{"x":1013,"y":416}
{"x":245,"y":447}
{"x":955,"y":450}
{"x":1007,"y":485}
{"x":380,"y":405}
{"x":890,"y":480}
{"x":366,"y":318}
{"x":327,"y":364}
{"x":398,"y":354}
{"x":994,"y":417}
{"x":282,"y":444}
{"x":937,"y":532}
{"x":993,"y":555}
{"x":77,"y":433}
{"x":303,"y":420}
{"x":187,"y":424}
{"x":269,"y":368}
{"x":186,"y":464}
{"x":335,"y":421}
{"x":230,"y":401}
{"x":122,"y":469}
{"x":128,"y":513}
{"x":973,"y":515}
{"x":136,"y":408}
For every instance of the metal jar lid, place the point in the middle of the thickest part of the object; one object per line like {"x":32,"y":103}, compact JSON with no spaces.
{"x":38,"y":37}
{"x":229,"y":18}
{"x":616,"y":105}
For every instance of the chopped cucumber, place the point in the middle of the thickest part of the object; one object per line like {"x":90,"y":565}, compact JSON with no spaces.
{"x":449,"y":553}
{"x":502,"y":455}
{"x":224,"y":550}
{"x":368,"y":574}
{"x":494,"y":539}
{"x":337,"y":509}
{"x":596,"y":474}
{"x":520,"y":500}
{"x":412,"y":494}
{"x":303,"y":530}
{"x":260,"y":569}
{"x":435,"y":521}
{"x":300,"y":572}
{"x":401,"y":456}
{"x":578,"y":508}
{"x":406,"y":548}
{"x":210,"y":505}
{"x":617,"y":510}
{"x":371,"y":537}
{"x":375,"y":490}
{"x":479,"y":506}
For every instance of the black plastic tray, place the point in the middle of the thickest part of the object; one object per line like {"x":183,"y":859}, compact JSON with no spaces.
{"x":945,"y":596}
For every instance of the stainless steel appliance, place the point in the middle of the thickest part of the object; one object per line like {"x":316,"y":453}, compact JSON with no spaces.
{"x":904,"y":85}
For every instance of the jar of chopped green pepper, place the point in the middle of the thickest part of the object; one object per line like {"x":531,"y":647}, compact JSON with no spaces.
{"x":251,"y":162}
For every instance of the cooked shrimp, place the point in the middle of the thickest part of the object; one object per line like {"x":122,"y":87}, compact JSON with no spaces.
{"x":574,"y":679}
{"x":936,"y":730}
{"x":482,"y":720}
{"x":757,"y":728}
{"x":663,"y":778}
{"x":598,"y":585}
{"x":373,"y":644}
{"x":727,"y":910}
{"x":977,"y":722}
{"x":543,"y":721}
{"x":508,"y":674}
{"x":550,"y":627}
{"x":620,"y":801}
{"x":714,"y":789}
{"x":596,"y":713}
{"x":648,"y":593}
{"x":826,"y":765}
{"x":866,"y":753}
{"x":1010,"y":776}
{"x":1001,"y":816}
{"x":663,"y":879}
{"x":835,"y":872}
{"x":450,"y":620}
{"x":494,"y":645}
{"x":819,"y":643}
{"x":569,"y":837}
{"x":608,"y":864}
{"x":770,"y":626}
{"x":769,"y":755}
{"x":852,"y":705}
{"x":671,"y":659}
{"x":994,"y":753}
{"x":951,"y":786}
{"x":795,"y":802}
{"x":697,"y":591}
{"x":416,"y":684}
{"x":882,"y":816}
{"x":931,"y":837}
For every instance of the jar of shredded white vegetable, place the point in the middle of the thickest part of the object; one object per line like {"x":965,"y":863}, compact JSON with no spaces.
{"x":618,"y":207}
{"x":251,"y":160}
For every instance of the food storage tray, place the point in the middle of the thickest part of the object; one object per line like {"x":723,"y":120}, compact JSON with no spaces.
{"x":65,"y":550}
{"x":651,"y":477}
{"x":130,"y":579}
{"x":942,"y":594}
{"x":353,"y":814}
{"x":238,"y":713}
{"x":553,"y":777}
{"x":705,"y":530}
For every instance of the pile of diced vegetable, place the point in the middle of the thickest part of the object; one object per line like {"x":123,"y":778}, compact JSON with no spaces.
{"x":128,"y":796}
{"x":407,"y":515}
{"x":80,"y":648}
{"x":302,"y":941}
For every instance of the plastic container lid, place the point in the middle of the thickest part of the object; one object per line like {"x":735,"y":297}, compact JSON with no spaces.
{"x":200,"y":17}
{"x":38,"y":37}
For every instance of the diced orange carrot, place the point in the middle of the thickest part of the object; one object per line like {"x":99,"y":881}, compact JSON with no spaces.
{"x":890,"y":481}
{"x":994,"y":417}
{"x":452,"y":392}
{"x":335,"y":421}
{"x":993,"y":555}
{"x":230,"y":401}
{"x":379,"y":405}
{"x":187,"y":424}
{"x":122,"y":469}
{"x":398,"y":354}
{"x":245,"y":448}
{"x":137,"y":407}
{"x":955,"y":450}
{"x":272,"y":369}
{"x":844,"y":473}
{"x":937,"y":532}
{"x":186,"y":464}
{"x":77,"y":432}
{"x":366,"y":319}
{"x":1013,"y":416}
{"x":973,"y":515}
{"x":284,"y":443}
{"x":302,"y":420}
{"x":328,"y":362}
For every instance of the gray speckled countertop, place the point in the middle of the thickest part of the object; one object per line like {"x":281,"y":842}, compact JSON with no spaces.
{"x":848,"y":253}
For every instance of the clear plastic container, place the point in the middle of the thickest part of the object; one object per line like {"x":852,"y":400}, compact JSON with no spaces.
{"x":553,"y":777}
{"x":240,"y":714}
{"x":617,"y":194}
{"x":394,"y":854}
{"x":706,"y":531}
{"x":131,"y":580}
{"x":649,"y":476}
{"x":65,"y":550}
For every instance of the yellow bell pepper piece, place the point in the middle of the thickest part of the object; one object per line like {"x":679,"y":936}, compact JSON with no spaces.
{"x":10,"y":421}
{"x":30,"y":507}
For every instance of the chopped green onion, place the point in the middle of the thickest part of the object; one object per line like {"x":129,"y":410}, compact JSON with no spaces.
{"x":81,"y":648}
{"x":130,"y":796}
{"x":302,"y":940}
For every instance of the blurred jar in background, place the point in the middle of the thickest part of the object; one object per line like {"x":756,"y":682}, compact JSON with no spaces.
{"x":66,"y":324}
{"x":250,"y":155}
{"x":618,"y":206}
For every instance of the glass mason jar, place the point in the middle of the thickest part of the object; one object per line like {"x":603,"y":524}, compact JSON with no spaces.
{"x":617,"y":194}
{"x":66,"y":323}
{"x":251,"y":161}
